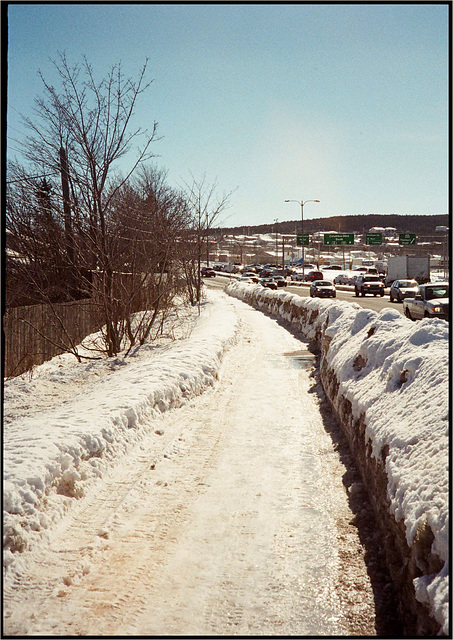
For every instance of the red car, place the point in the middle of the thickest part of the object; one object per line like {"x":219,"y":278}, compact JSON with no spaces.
{"x":314,"y":275}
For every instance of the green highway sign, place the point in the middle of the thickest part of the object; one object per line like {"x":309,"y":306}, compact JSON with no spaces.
{"x":373,"y":238}
{"x":299,"y":240}
{"x":407,"y":238}
{"x":338,"y":238}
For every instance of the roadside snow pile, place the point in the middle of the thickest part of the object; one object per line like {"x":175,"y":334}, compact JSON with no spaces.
{"x":61,"y":431}
{"x":391,"y":376}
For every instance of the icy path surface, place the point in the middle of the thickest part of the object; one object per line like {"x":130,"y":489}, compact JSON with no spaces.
{"x":230,"y":519}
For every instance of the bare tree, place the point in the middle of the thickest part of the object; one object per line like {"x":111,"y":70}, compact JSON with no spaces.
{"x":205,"y":207}
{"x":147,"y":219}
{"x":145,"y":222}
{"x":80,"y":131}
{"x":127,"y":241}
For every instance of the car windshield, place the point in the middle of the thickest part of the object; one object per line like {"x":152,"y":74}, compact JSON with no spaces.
{"x":437,"y":292}
{"x":323,"y":283}
{"x":371,"y":279}
{"x":408,"y":283}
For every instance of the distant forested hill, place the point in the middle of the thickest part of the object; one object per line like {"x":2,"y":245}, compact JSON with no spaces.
{"x":419,"y":224}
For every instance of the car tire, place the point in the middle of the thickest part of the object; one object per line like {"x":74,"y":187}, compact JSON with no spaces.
{"x":391,"y":299}
{"x":363,"y":294}
{"x":408,"y":314}
{"x":382,"y":294}
{"x":356,"y":293}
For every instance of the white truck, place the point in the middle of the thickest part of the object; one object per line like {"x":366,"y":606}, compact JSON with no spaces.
{"x":408,"y":268}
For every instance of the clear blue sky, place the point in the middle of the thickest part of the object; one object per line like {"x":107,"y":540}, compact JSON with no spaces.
{"x":347,"y":104}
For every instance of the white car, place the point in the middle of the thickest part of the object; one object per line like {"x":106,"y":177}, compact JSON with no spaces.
{"x":401,"y":289}
{"x":431,"y":301}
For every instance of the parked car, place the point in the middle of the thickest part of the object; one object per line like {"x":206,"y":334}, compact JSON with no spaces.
{"x":281,"y":281}
{"x":269,"y":283}
{"x":401,"y":289}
{"x":311,"y":276}
{"x":207,"y":272}
{"x":369,"y":283}
{"x":430,"y":301}
{"x":322,"y":289}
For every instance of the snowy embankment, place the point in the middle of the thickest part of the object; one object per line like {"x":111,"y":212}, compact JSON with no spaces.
{"x":65,"y":423}
{"x":387,"y":379}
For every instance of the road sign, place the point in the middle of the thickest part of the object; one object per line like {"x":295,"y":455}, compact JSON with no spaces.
{"x":373,"y":238}
{"x":407,"y":238}
{"x":299,"y":240}
{"x":338,"y":238}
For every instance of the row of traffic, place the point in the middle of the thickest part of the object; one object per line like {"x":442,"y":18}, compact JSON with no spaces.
{"x":429,"y":300}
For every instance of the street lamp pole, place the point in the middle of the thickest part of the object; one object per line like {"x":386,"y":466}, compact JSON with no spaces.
{"x":301,"y":202}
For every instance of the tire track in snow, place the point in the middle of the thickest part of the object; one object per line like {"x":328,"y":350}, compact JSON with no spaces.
{"x":148,"y":472}
{"x":219,"y":532}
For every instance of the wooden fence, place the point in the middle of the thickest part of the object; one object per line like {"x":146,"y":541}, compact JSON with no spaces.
{"x":37,"y":333}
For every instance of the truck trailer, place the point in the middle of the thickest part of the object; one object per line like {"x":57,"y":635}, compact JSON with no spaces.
{"x":408,"y":267}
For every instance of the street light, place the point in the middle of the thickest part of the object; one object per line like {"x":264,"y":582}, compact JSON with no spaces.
{"x":301,"y":202}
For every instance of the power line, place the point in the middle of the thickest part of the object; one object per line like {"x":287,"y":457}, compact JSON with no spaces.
{"x":45,"y":175}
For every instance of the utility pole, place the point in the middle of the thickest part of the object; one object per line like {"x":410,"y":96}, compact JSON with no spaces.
{"x":67,"y":220}
{"x":276,"y":244}
{"x":283,"y":253}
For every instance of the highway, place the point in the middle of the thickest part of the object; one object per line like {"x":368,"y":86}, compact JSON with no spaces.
{"x":367,"y":302}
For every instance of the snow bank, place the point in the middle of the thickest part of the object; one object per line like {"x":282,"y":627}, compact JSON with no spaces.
{"x":387,"y":379}
{"x":51,"y":453}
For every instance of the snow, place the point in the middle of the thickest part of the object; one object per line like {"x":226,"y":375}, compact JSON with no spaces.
{"x":395,"y":372}
{"x":67,"y":421}
{"x":64,"y":424}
